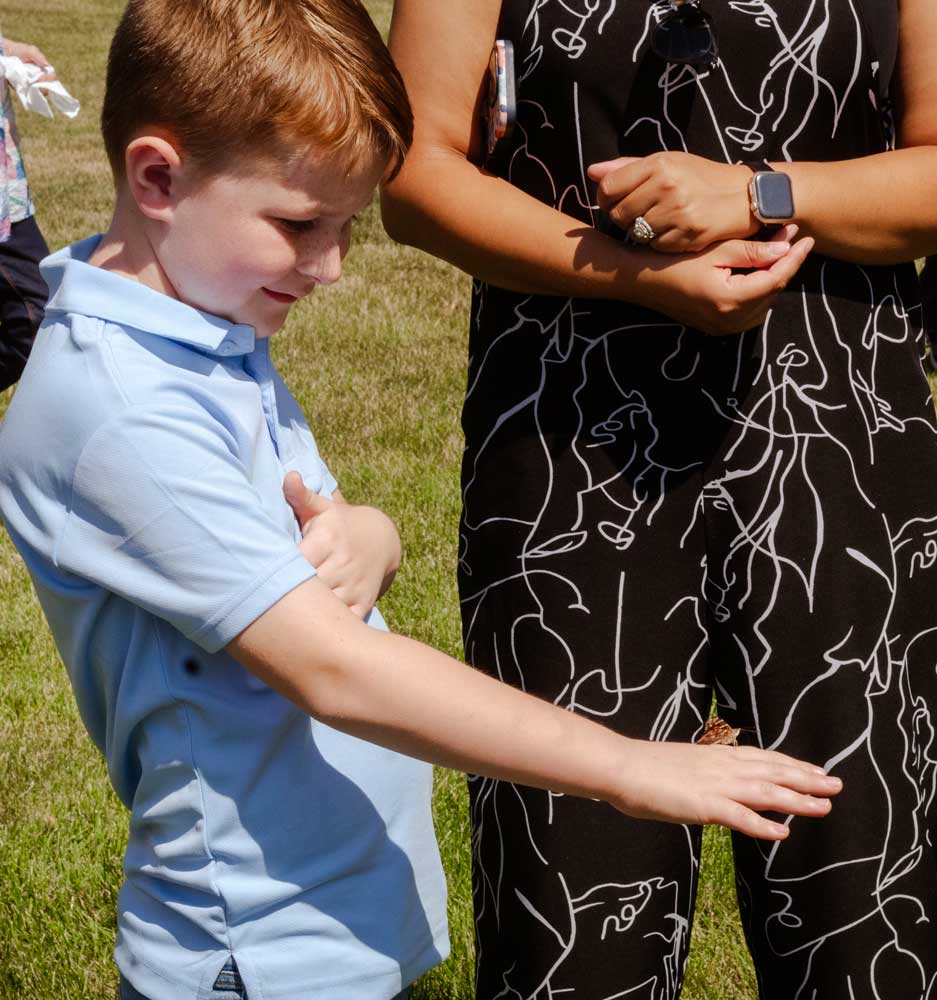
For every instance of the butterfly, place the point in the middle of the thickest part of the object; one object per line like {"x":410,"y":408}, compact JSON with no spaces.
{"x":720,"y":732}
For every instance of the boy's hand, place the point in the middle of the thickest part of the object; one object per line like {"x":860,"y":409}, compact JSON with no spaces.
{"x":689,"y":783}
{"x":355,"y":549}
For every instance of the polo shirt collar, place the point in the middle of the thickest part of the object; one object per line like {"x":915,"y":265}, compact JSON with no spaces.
{"x":75,"y":286}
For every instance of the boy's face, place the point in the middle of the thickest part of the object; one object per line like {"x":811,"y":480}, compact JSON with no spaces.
{"x":247,"y":245}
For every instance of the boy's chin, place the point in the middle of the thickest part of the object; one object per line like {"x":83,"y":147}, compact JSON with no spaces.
{"x":262,"y":334}
{"x":266,"y":327}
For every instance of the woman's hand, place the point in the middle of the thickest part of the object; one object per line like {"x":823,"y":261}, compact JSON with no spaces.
{"x":355,"y":549}
{"x":704,"y":290}
{"x":685,"y":783}
{"x":690,"y":202}
{"x":29,"y":54}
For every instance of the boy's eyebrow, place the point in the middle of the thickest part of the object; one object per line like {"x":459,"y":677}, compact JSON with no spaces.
{"x":316,"y":208}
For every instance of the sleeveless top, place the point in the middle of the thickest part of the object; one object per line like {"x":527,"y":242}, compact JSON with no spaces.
{"x":839,"y":356}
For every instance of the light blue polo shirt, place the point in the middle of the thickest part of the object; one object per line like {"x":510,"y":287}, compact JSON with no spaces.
{"x":141,"y":468}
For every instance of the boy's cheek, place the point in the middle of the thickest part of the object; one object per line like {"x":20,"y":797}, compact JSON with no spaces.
{"x":261,"y":265}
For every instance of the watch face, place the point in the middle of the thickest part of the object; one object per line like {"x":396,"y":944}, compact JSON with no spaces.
{"x":773,"y":196}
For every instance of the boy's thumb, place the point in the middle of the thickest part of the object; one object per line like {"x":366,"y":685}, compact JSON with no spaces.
{"x":306,"y":503}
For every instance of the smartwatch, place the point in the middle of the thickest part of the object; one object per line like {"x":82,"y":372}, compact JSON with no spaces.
{"x":770,"y":194}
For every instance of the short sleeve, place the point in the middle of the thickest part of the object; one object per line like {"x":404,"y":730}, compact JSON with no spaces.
{"x":163,"y":513}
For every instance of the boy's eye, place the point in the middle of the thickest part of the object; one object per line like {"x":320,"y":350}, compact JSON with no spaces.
{"x":297,"y":225}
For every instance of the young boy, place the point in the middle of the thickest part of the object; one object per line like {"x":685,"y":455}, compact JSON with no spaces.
{"x":273,"y":853}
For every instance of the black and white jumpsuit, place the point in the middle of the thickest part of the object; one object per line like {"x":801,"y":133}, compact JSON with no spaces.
{"x":651,"y":515}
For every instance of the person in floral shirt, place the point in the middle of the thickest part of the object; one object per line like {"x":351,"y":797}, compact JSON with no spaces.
{"x":22,"y":291}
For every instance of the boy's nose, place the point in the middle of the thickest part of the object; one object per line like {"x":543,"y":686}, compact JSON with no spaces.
{"x":325,"y":266}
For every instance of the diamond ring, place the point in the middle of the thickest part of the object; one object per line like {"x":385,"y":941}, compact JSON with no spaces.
{"x":641,"y":231}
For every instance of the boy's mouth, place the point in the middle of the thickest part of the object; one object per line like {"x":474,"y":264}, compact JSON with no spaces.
{"x":281,"y":297}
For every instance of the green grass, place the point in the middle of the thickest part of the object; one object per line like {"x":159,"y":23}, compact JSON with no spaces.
{"x":378,"y":364}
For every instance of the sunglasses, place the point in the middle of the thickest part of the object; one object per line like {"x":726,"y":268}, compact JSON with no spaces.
{"x":686,"y":34}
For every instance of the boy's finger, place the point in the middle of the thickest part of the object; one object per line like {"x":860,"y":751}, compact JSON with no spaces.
{"x":776,"y":769}
{"x":306,"y":503}
{"x":776,"y":757}
{"x":739,"y":817}
{"x":764,"y":795}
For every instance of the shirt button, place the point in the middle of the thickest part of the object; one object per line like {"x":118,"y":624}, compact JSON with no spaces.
{"x":228,"y":348}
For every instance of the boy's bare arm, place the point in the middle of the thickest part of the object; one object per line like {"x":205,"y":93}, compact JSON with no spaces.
{"x":399,"y":693}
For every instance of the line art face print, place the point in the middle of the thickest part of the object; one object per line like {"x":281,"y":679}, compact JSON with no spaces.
{"x":651,"y":515}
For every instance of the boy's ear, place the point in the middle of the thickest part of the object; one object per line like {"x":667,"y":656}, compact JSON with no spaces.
{"x":154,"y":172}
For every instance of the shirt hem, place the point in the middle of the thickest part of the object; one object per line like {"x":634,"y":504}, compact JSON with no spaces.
{"x":285,"y":576}
{"x":155,"y":986}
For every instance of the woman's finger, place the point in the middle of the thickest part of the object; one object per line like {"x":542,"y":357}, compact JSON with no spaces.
{"x":769,"y":278}
{"x":750,"y":254}
{"x":620,"y":183}
{"x":785,"y":233}
{"x":599,"y":171}
{"x":643,"y":202}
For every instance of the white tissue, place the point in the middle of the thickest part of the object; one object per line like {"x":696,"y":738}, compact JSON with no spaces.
{"x":33,"y":95}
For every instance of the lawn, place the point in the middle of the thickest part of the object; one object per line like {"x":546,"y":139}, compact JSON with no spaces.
{"x":378,"y":364}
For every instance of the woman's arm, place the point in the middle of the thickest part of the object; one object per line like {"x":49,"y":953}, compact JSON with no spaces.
{"x":443,"y":202}
{"x":878,"y":209}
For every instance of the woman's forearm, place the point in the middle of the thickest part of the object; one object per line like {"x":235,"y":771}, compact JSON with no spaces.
{"x":879,"y":209}
{"x":445,"y":205}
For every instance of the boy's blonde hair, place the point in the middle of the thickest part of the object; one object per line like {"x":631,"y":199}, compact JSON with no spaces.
{"x":229,"y":77}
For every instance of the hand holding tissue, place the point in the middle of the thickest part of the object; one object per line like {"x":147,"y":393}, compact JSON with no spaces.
{"x":37,"y":94}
